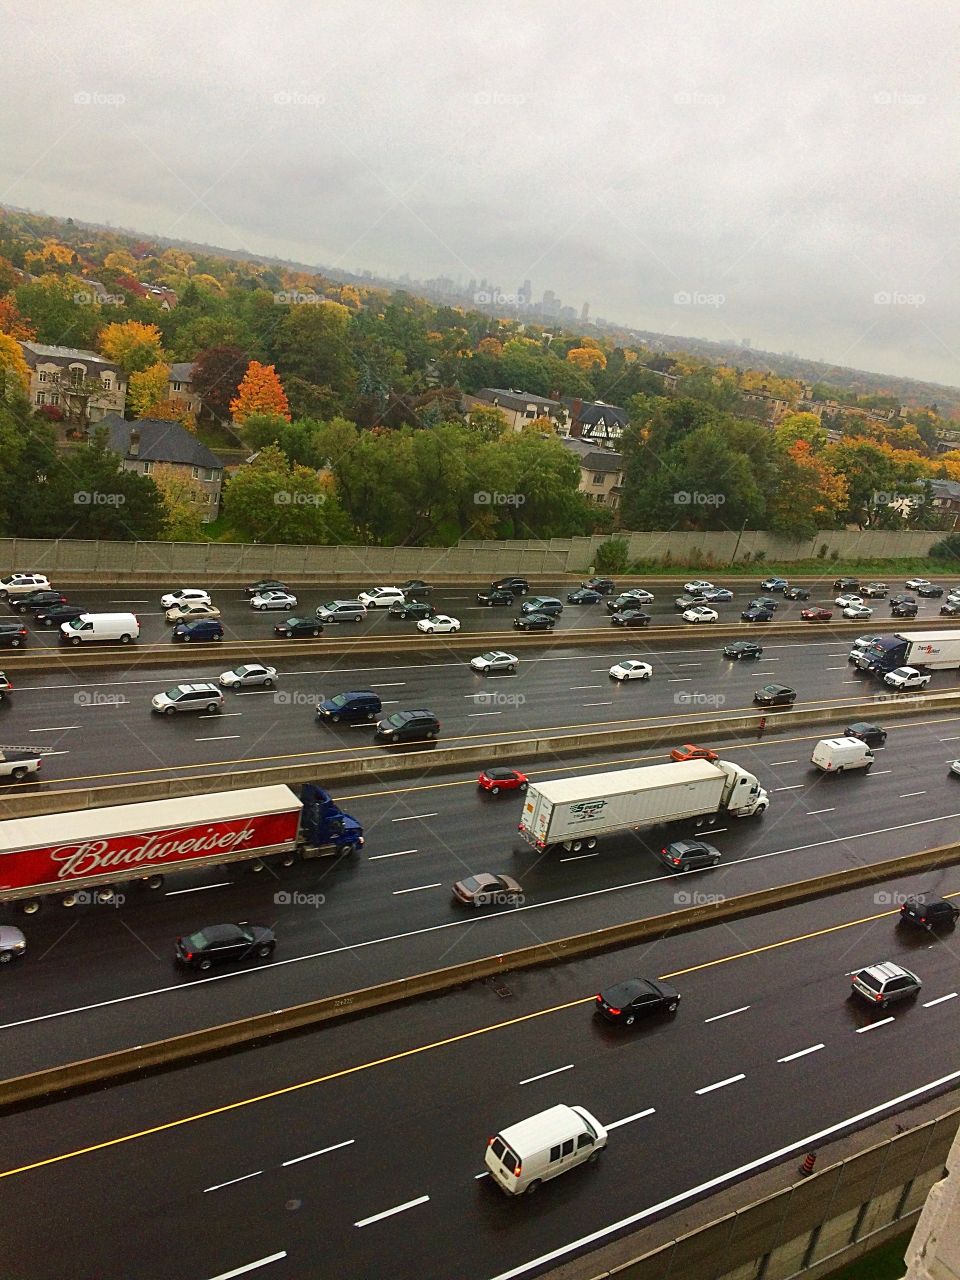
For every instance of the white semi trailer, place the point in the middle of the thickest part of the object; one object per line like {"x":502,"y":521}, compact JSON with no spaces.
{"x":575,"y":812}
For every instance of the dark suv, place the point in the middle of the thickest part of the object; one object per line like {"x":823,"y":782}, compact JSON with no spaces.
{"x":603,"y":585}
{"x":408,"y":726}
{"x":929,"y":911}
{"x":519,"y":586}
{"x":495,"y":596}
{"x":13,"y":634}
{"x":904,"y":609}
{"x":360,"y":704}
{"x":35,"y":600}
{"x":201,"y":629}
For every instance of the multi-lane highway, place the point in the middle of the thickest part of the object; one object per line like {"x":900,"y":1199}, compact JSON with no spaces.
{"x":359,"y":1150}
{"x":100,"y":978}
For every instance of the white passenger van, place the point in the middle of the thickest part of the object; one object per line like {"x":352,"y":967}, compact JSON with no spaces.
{"x":834,"y":755}
{"x":546,"y":1145}
{"x":124,"y":627}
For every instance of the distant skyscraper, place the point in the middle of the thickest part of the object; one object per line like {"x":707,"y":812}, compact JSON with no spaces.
{"x":526,"y":294}
{"x":551,"y":303}
{"x":585,"y":312}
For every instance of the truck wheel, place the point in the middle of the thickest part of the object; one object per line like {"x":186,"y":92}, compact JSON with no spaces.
{"x":576,"y":846}
{"x":591,"y":843}
{"x":106,"y":895}
{"x":74,"y":640}
{"x":534,"y":1186}
{"x":68,"y":900}
{"x":125,"y":639}
{"x":288,"y":859}
{"x":18,"y":774}
{"x":593,"y":1157}
{"x":256,"y":865}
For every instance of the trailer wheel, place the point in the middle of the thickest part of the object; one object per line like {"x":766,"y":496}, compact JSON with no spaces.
{"x":154,"y":882}
{"x":106,"y":895}
{"x":68,"y":900}
{"x":592,"y":842}
{"x":288,"y":859}
{"x":256,"y":865}
{"x":31,"y":907}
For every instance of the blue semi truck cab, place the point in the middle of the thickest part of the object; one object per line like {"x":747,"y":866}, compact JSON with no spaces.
{"x":325,"y":829}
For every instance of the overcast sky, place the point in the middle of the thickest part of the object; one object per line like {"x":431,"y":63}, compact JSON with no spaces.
{"x":781,"y":172}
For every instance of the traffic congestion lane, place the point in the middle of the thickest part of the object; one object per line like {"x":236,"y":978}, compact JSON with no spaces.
{"x":464,"y":1056}
{"x":103,"y":977}
{"x":241,"y":622}
{"x":104,"y":730}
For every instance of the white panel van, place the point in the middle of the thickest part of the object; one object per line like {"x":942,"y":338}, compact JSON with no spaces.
{"x":124,"y":627}
{"x":543,"y":1147}
{"x":834,"y":755}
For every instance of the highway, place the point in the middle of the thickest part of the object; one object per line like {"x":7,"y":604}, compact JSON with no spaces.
{"x":358,"y":1150}
{"x":98,"y":727}
{"x":100,"y":978}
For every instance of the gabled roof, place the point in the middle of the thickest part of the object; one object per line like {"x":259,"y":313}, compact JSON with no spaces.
{"x":605,"y":460}
{"x":516,"y":399}
{"x":33,"y":351}
{"x":181,"y":371}
{"x":159,"y":442}
{"x":596,"y":411}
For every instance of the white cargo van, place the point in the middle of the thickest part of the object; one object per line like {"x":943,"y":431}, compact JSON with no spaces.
{"x":101,"y":626}
{"x":834,"y":755}
{"x":546,"y":1145}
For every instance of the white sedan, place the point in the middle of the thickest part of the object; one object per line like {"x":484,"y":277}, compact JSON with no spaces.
{"x":381,"y":597}
{"x":700,"y":614}
{"x":915,"y":583}
{"x":184,"y":593}
{"x":250,"y":676}
{"x":440,"y":622}
{"x":907,"y":678}
{"x":274,"y":600}
{"x":858,"y":611}
{"x":700,"y":585}
{"x":495,"y":660}
{"x":188,"y":610}
{"x":844,"y":602}
{"x":631,"y":669}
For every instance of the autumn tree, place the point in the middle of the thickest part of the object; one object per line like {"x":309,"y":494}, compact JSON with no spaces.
{"x":14,"y":370}
{"x":260,"y":391}
{"x":13,"y":323}
{"x":809,"y":495}
{"x":487,"y":421}
{"x":120,"y":261}
{"x":490,"y":347}
{"x":216,"y":376}
{"x":586,"y":358}
{"x":311,"y":342}
{"x":131,"y":345}
{"x":183,"y":500}
{"x":147,"y":388}
{"x":801,"y":426}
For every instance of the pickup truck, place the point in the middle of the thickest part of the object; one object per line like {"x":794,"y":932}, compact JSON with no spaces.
{"x":18,"y":764}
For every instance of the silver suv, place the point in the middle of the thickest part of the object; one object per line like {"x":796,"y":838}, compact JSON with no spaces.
{"x":882,"y":984}
{"x":342,"y":611}
{"x":188,"y":697}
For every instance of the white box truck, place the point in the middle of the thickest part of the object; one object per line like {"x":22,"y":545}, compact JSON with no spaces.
{"x":574,"y":812}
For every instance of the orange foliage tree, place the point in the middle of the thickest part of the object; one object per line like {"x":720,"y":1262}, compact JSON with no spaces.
{"x":13,"y":323}
{"x":14,"y":370}
{"x":260,"y":391}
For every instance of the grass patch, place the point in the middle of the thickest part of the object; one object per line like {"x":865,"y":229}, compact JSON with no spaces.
{"x":885,"y":1263}
{"x":884,"y":570}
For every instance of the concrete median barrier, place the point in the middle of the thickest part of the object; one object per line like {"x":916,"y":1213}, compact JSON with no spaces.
{"x":196,"y":1045}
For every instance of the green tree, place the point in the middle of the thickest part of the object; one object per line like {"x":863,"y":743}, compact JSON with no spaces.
{"x":51,"y":305}
{"x":274,"y":500}
{"x":182,"y":499}
{"x":88,"y":494}
{"x":311,"y":343}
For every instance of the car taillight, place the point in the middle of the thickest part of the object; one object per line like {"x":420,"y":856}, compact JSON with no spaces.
{"x":517,"y":1168}
{"x":490,"y":1141}
{"x":188,"y":955}
{"x":39,"y":763}
{"x":615,"y":1012}
{"x":878,"y":997}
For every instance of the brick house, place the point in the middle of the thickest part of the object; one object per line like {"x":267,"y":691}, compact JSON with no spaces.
{"x":180,"y":387}
{"x":149,"y":441}
{"x":601,"y":472}
{"x":81,"y":383}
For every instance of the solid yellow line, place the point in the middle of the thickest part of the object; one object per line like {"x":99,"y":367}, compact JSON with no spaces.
{"x":424,"y":1048}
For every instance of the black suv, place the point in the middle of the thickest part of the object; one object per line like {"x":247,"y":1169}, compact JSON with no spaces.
{"x":519,"y":586}
{"x":742,"y":649}
{"x":496,"y":595}
{"x":417,"y":609}
{"x":13,"y":634}
{"x":201,"y":629}
{"x":930,"y":591}
{"x":603,"y":585}
{"x":846,"y":584}
{"x":542,"y":604}
{"x":359,"y":704}
{"x":871,"y":734}
{"x":796,"y":593}
{"x":408,"y":726}
{"x":628,"y":600}
{"x":35,"y":600}
{"x":930,"y":911}
{"x":904,"y":609}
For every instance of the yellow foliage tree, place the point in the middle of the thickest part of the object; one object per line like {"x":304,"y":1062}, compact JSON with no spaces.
{"x":586,"y":358}
{"x":14,"y":370}
{"x":208,"y":282}
{"x":120,"y":260}
{"x":147,"y":388}
{"x":131,"y":345}
{"x":490,"y":347}
{"x":53,"y":254}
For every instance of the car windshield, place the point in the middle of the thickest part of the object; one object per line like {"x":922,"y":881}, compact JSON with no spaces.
{"x":173,"y":693}
{"x":331,"y":604}
{"x":339,"y":700}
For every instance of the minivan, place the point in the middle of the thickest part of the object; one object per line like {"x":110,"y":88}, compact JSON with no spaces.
{"x":542,"y":604}
{"x":358,"y":704}
{"x":527,"y":1154}
{"x":101,"y":626}
{"x":835,"y":755}
{"x":408,"y":726}
{"x":188,"y":697}
{"x":342,"y":611}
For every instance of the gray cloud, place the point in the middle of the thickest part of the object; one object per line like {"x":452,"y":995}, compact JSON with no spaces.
{"x":795,"y":161}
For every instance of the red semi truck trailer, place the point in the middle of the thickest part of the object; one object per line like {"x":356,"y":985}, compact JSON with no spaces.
{"x":97,"y":850}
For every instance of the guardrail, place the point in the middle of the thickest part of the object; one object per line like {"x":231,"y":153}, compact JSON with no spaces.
{"x":231,"y":651}
{"x":428,"y":759}
{"x":196,"y":1045}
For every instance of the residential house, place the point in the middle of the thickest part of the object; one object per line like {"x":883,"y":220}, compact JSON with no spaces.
{"x":166,"y":298}
{"x":520,"y":407}
{"x":144,"y":444}
{"x":601,"y":472}
{"x":765,"y":407}
{"x":84,"y":385}
{"x":180,"y":387}
{"x":945,"y":499}
{"x":594,"y":420}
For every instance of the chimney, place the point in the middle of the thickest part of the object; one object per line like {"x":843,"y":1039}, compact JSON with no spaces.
{"x":133,"y":450}
{"x":576,"y":426}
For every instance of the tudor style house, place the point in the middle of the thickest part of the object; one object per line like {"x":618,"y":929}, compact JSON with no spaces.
{"x":144,"y":444}
{"x":82,"y":384}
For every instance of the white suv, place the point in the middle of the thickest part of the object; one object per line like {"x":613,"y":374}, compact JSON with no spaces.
{"x":381,"y":597}
{"x":188,"y":697}
{"x":18,"y":584}
{"x":184,"y":595}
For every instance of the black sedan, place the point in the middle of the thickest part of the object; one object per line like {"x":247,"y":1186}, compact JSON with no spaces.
{"x":13,"y":634}
{"x":413,"y":609}
{"x":34,"y":600}
{"x":297,"y":628}
{"x":223,"y":943}
{"x":951,"y":609}
{"x":636,"y":998}
{"x":757,"y":613}
{"x":796,"y":593}
{"x":415,"y":587}
{"x":763,"y":602}
{"x":495,"y":596}
{"x":605,"y":586}
{"x":519,"y":586}
{"x":871,"y":734}
{"x":630,"y":618}
{"x":775,"y":695}
{"x":54,"y":614}
{"x":535,"y":622}
{"x":930,"y":591}
{"x":904,"y":609}
{"x":265,"y":585}
{"x":738,"y":649}
{"x":628,"y":600}
{"x":585,"y":595}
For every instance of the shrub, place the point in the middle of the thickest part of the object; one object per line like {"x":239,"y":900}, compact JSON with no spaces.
{"x":947,"y":548}
{"x":612,"y":556}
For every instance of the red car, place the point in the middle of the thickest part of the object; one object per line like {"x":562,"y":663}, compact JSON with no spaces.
{"x":691,"y":752}
{"x":816,"y":615}
{"x":499,"y":779}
